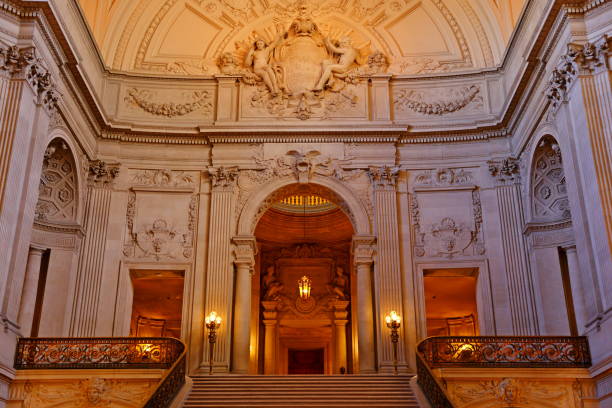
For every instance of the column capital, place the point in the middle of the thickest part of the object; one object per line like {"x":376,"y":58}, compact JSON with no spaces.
{"x":245,"y":249}
{"x":591,"y":57}
{"x":223,"y":178}
{"x":36,"y":250}
{"x":100,"y":173}
{"x":505,"y":171}
{"x":364,"y":249}
{"x":383,"y":177}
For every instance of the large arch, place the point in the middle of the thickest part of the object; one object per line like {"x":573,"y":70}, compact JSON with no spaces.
{"x":252,"y":211}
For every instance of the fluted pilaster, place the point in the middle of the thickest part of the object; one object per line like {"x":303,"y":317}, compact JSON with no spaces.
{"x":363,"y":256}
{"x":518,"y":270}
{"x":91,"y":256}
{"x":388,"y":269}
{"x":220,"y":270}
{"x":244,"y":259}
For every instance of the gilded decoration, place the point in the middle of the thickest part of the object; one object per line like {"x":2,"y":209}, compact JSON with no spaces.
{"x":303,"y":71}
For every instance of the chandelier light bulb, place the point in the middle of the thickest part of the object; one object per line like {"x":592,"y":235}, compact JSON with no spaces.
{"x":304,"y":287}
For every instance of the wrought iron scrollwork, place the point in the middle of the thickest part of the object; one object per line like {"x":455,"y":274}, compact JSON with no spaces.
{"x":506,"y":351}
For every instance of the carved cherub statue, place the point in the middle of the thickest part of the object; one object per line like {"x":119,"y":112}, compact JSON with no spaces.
{"x":348,"y":56}
{"x":338,"y":286}
{"x":259,"y":58}
{"x":272,"y":286}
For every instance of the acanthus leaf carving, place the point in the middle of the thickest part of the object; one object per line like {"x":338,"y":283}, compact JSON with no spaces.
{"x":101,"y":173}
{"x":383,"y":177}
{"x":505,"y":170}
{"x":223,"y":178}
{"x":450,"y":100}
{"x":190,"y":102}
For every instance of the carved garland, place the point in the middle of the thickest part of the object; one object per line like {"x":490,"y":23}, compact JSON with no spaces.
{"x":408,"y":99}
{"x":198,"y":100}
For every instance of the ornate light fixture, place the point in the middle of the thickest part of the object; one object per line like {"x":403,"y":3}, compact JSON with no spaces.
{"x":213,"y":321}
{"x":304,"y":286}
{"x":393,"y":322}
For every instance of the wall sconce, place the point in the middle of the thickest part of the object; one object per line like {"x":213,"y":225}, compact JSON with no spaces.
{"x":393,"y":322}
{"x":213,"y":321}
{"x":304,"y":286}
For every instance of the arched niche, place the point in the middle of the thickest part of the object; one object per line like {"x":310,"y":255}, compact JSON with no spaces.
{"x":58,"y":195}
{"x":326,"y":187}
{"x":548,"y":191}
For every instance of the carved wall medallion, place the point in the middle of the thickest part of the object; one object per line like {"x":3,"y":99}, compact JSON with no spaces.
{"x":57,"y":192}
{"x":188,"y":102}
{"x":160,"y":240}
{"x":440,"y":102}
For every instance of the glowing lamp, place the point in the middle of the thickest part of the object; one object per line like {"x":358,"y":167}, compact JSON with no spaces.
{"x":393,"y":322}
{"x":393,"y":319}
{"x":213,"y":318}
{"x":304,"y":286}
{"x":213,"y":321}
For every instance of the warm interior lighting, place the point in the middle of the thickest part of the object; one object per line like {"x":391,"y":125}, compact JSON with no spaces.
{"x":213,"y":317}
{"x":304,"y":286}
{"x":393,"y":319}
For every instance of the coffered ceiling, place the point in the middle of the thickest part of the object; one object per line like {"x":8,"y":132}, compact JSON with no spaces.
{"x":187,"y":37}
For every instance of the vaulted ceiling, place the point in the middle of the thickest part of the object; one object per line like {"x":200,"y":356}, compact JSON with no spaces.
{"x":186,"y":37}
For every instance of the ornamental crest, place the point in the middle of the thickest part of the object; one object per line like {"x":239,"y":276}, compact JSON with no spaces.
{"x":303,"y":71}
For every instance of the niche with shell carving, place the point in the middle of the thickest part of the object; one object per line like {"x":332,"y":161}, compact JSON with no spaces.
{"x":548,"y":187}
{"x":57,"y":194}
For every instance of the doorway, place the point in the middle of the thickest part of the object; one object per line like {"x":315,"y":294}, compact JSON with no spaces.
{"x":307,"y":361}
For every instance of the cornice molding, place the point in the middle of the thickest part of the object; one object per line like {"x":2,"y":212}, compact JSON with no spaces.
{"x":43,"y":12}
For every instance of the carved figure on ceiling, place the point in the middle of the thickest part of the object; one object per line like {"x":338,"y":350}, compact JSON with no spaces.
{"x":259,"y":58}
{"x":272,"y":285}
{"x":348,"y":55}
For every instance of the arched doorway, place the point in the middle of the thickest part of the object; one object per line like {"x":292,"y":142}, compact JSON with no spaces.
{"x":304,"y":233}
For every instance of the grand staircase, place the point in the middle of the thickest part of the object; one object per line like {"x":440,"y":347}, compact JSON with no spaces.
{"x":301,"y":391}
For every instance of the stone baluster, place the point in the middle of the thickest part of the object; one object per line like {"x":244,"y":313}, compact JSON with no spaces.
{"x":244,"y":259}
{"x":518,"y":269}
{"x":388,"y":269}
{"x":363,"y":256}
{"x":100,"y":181}
{"x":219,"y":269}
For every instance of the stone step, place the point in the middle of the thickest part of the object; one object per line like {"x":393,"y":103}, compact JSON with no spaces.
{"x":330,"y":391}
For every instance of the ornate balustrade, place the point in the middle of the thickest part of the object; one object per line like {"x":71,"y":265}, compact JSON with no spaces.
{"x":506,"y":351}
{"x":431,"y":386}
{"x":110,"y":353}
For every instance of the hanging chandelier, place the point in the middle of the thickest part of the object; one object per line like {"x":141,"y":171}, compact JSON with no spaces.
{"x":304,"y":286}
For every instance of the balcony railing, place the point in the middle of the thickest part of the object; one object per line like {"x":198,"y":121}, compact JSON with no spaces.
{"x":110,"y":353}
{"x":506,"y":351}
{"x":494,"y":352}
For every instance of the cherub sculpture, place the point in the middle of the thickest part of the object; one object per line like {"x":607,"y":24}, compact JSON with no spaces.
{"x":348,"y":56}
{"x":259,"y":58}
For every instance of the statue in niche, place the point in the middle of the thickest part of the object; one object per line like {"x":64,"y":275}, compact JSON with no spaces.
{"x":272,"y":286}
{"x":348,"y":56}
{"x":338,"y":285}
{"x":259,"y":58}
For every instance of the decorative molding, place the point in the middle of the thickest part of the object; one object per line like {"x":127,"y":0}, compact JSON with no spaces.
{"x":101,"y":173}
{"x":164,"y":178}
{"x":444,"y":177}
{"x":505,"y":171}
{"x":451,"y":100}
{"x":58,"y":193}
{"x":549,"y":198}
{"x":190,"y":102}
{"x":591,"y":57}
{"x":561,"y":78}
{"x":363,"y":249}
{"x":245,"y":249}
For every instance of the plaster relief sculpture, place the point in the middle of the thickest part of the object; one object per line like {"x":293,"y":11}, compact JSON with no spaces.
{"x":444,"y":177}
{"x":440,"y":102}
{"x":302,"y":72}
{"x":186,"y":103}
{"x":57,"y":193}
{"x":272,"y":286}
{"x":505,"y":171}
{"x":162,"y":178}
{"x":549,"y":190}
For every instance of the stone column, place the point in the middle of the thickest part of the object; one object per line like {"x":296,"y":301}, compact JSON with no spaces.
{"x":269,"y":322}
{"x":219,"y":268}
{"x":100,"y":181}
{"x":518,"y":269}
{"x":388,"y":269}
{"x":30,"y":289}
{"x":363,"y":256}
{"x":244,"y":259}
{"x":576,"y":285}
{"x":340,"y":321}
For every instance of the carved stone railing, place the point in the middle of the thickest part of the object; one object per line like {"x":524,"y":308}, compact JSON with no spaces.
{"x":431,"y":386}
{"x":110,"y":353}
{"x":506,"y":351}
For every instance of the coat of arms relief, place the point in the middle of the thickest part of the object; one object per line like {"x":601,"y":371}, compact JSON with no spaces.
{"x":304,"y":71}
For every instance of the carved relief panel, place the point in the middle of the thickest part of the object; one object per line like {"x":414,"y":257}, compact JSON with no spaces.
{"x":161,"y":215}
{"x":549,"y":192}
{"x":446,"y":215}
